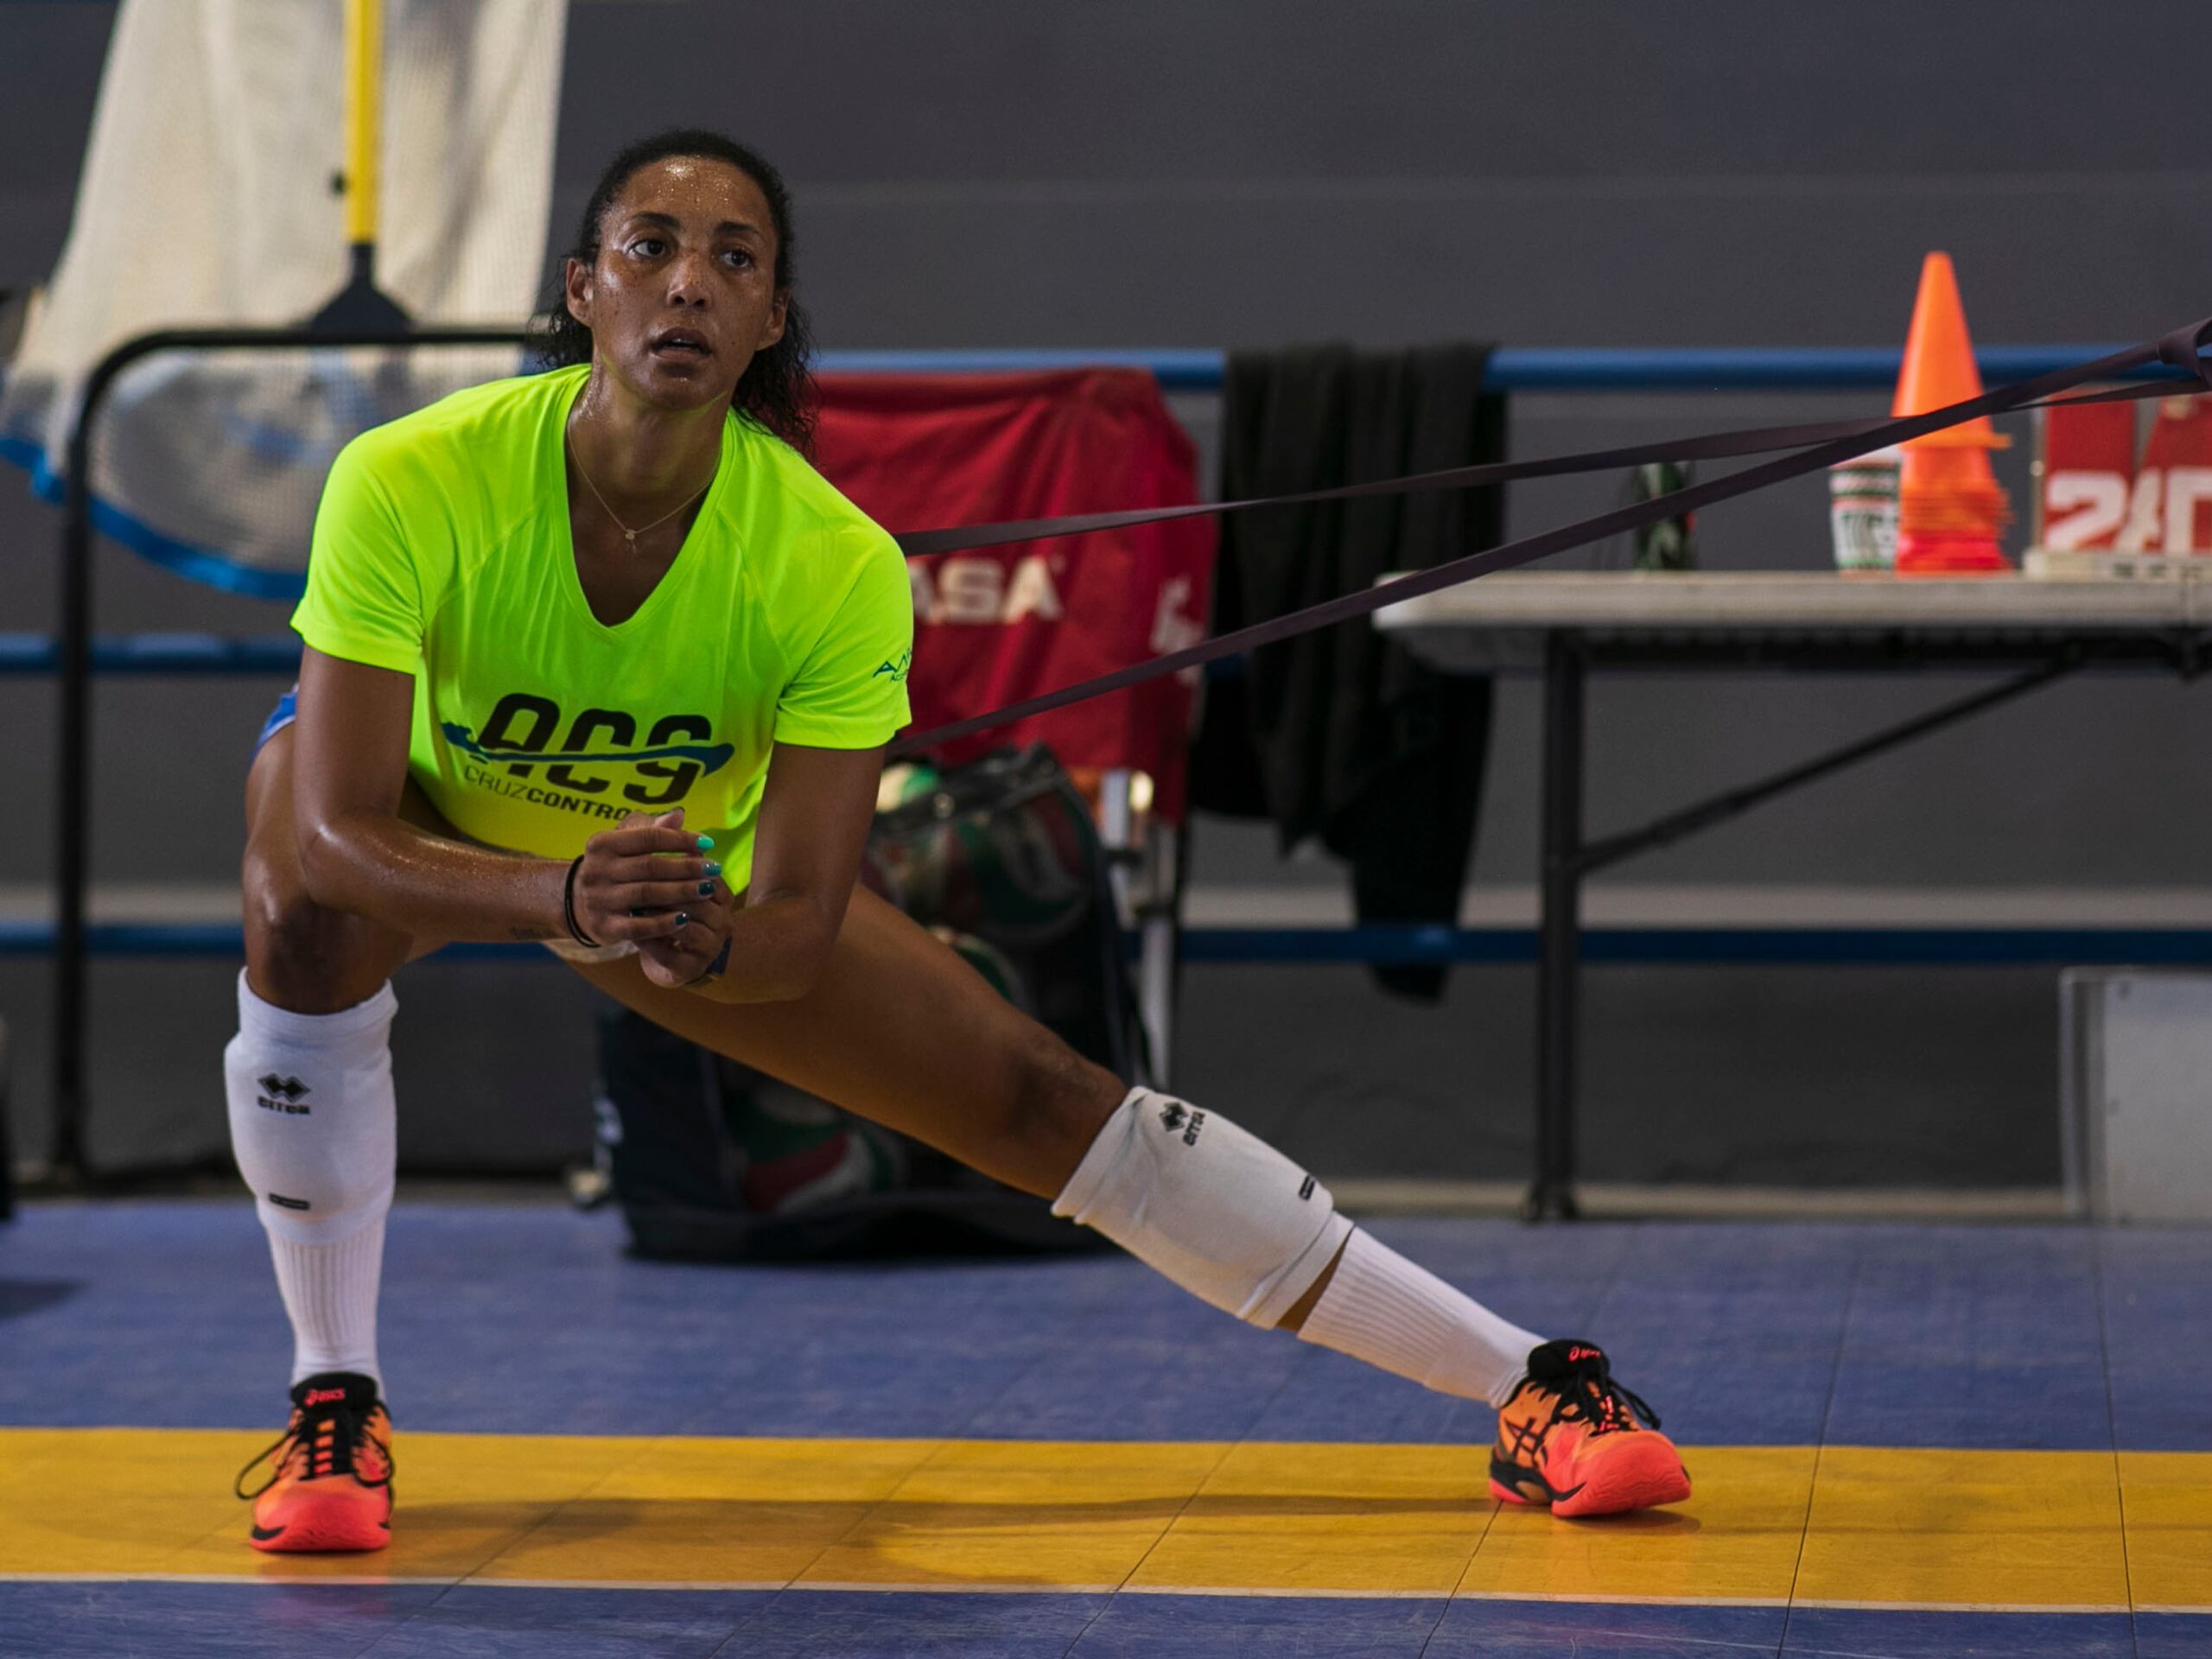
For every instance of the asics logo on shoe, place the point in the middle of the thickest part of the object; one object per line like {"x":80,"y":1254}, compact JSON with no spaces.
{"x":283,"y":1094}
{"x":322,"y":1397}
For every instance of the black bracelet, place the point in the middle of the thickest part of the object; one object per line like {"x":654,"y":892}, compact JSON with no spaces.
{"x":713,"y":971}
{"x":569,"y":906}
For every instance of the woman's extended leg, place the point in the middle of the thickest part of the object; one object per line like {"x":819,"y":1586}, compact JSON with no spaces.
{"x":901,"y":1030}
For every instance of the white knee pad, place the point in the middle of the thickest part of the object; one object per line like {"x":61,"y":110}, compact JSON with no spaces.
{"x":1218,"y":1211}
{"x":312,"y":1121}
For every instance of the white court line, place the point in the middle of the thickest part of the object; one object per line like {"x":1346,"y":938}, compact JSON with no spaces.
{"x":226,"y":1577}
{"x":1234,"y":1591}
{"x":1218,"y":1592}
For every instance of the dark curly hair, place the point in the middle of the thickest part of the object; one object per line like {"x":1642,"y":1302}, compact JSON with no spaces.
{"x":776,"y":390}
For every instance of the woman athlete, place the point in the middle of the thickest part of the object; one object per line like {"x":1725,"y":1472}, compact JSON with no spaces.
{"x":595,"y":657}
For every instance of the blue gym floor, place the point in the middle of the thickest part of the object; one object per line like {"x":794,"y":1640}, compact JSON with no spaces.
{"x":1907,"y":1441}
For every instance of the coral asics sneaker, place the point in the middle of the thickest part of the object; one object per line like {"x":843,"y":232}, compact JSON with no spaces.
{"x":1569,"y":1437}
{"x":332,"y":1488}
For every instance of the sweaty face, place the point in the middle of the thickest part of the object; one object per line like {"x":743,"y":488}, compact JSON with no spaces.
{"x":684,"y":291}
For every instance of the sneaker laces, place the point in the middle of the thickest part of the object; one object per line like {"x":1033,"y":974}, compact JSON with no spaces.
{"x":1591,"y":1396}
{"x":327,"y":1438}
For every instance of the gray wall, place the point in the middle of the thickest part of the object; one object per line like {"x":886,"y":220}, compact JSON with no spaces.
{"x":1204,"y":174}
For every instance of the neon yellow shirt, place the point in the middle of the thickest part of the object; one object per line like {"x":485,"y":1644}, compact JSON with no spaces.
{"x":442,"y":549}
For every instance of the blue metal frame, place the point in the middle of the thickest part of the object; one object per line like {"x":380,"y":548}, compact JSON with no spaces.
{"x":1532,"y":368}
{"x":180,"y":654}
{"x":1410,"y":944}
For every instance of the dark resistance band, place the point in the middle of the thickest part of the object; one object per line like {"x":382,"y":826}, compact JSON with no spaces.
{"x":1819,"y":446}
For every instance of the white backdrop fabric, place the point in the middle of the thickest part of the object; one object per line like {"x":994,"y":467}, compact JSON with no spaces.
{"x":207,"y":199}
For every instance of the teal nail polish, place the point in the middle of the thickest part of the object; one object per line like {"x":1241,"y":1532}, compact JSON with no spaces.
{"x":706,"y":889}
{"x":713,"y":868}
{"x":706,"y":844}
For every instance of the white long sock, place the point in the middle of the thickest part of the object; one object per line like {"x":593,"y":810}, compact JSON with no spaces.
{"x":330,"y":1292}
{"x":314,"y":1126}
{"x":1390,"y":1311}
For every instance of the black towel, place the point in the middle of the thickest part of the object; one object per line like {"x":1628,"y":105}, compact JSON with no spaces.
{"x":1341,"y":733}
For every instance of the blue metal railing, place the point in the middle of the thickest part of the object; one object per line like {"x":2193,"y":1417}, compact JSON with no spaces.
{"x":156,"y":653}
{"x":1535,"y":368}
{"x":1402,"y":944}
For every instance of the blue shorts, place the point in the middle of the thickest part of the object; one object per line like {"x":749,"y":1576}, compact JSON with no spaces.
{"x":286,"y":711}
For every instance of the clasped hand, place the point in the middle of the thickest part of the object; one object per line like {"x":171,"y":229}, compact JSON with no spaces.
{"x":649,"y":883}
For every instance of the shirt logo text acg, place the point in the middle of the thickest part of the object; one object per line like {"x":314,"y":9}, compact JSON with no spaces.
{"x":677,"y":753}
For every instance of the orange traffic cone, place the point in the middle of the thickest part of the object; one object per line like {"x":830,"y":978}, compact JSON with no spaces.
{"x":1949,"y":506}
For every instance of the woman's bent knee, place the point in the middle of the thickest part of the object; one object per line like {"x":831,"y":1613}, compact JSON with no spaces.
{"x":303,"y":958}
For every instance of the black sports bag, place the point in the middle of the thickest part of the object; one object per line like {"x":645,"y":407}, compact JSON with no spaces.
{"x":711,"y":1160}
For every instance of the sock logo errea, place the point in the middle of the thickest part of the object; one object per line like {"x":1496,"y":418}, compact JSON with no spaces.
{"x":1175,"y":1115}
{"x":286,"y":1095}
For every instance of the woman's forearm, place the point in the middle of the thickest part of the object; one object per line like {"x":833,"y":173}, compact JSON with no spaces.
{"x":378,"y":865}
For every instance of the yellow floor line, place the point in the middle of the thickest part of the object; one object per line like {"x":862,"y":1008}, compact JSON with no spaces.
{"x":2169,"y":1520}
{"x":2016,"y":1529}
{"x":1881,"y":1527}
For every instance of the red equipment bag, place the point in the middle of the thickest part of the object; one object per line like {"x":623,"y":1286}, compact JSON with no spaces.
{"x":923,"y":452}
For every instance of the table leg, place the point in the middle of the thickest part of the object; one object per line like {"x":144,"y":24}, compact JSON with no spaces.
{"x":1558,"y":973}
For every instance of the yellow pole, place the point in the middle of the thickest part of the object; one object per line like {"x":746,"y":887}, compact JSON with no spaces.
{"x":360,"y":307}
{"x":364,"y":59}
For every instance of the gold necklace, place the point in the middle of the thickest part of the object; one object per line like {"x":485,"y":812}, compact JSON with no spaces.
{"x":629,"y":535}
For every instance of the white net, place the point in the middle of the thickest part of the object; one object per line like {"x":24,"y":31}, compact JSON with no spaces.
{"x":211,"y":462}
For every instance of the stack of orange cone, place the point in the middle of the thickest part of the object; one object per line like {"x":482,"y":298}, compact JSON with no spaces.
{"x":1950,"y":506}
